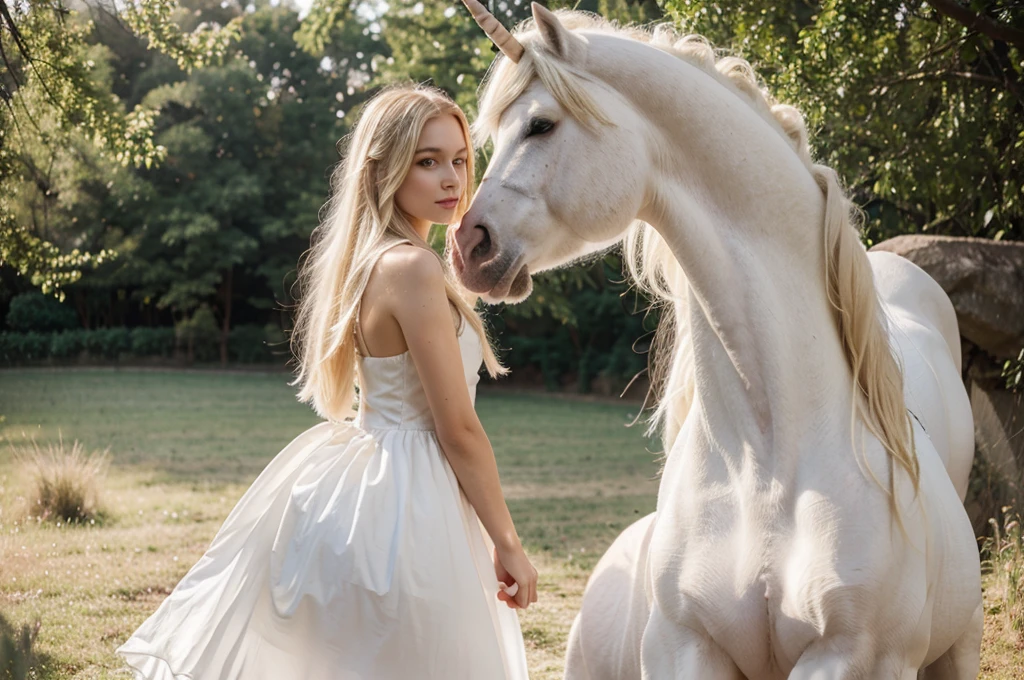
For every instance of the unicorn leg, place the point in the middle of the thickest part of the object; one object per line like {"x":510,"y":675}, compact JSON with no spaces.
{"x":575,"y":658}
{"x":963,"y":660}
{"x":671,"y":651}
{"x":604,"y":642}
{"x":847,"y":658}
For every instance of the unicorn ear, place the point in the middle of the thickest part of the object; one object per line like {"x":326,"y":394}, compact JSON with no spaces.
{"x":560,"y":40}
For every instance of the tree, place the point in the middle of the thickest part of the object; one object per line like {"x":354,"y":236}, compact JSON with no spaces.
{"x":226,"y":215}
{"x":919,"y":106}
{"x":51,"y":98}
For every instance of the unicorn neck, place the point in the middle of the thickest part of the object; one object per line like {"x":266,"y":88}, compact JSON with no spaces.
{"x":766,"y":352}
{"x":744,"y":217}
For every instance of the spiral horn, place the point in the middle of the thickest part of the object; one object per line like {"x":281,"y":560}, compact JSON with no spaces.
{"x":498,"y":34}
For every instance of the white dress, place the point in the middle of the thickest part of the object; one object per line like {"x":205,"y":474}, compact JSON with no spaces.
{"x":354,"y":555}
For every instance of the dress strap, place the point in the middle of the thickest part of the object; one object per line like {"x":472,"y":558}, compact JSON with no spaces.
{"x":357,"y":327}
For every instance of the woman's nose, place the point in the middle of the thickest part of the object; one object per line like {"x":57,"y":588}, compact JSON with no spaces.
{"x":451,"y":178}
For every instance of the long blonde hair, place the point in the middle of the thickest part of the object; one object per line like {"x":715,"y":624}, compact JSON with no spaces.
{"x":362,"y":221}
{"x":849,"y":284}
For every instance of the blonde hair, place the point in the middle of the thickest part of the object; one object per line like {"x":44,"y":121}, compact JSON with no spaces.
{"x":849,"y":284}
{"x":362,"y":221}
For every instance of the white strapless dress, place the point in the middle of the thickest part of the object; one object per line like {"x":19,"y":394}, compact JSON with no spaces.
{"x":354,"y":555}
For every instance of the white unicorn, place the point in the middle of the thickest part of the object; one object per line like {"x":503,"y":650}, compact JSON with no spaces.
{"x":808,"y":525}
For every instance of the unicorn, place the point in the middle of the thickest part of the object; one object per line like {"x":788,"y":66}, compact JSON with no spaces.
{"x":818,"y":438}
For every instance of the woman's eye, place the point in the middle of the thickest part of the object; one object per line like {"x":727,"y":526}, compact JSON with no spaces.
{"x":427,"y":162}
{"x":539,"y":126}
{"x":460,"y":161}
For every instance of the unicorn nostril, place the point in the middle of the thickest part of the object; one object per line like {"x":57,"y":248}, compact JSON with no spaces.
{"x":481,"y":249}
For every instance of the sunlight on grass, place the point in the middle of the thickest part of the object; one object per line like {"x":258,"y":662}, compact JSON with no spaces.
{"x":185,"y":446}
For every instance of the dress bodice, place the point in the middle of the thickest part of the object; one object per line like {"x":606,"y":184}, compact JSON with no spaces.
{"x":391,"y":396}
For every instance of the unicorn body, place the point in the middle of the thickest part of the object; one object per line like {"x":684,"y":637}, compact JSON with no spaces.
{"x":806,"y":525}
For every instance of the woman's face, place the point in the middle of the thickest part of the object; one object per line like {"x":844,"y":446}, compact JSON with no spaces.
{"x":437,"y":178}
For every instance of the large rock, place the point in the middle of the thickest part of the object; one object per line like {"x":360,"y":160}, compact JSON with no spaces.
{"x":983,"y":278}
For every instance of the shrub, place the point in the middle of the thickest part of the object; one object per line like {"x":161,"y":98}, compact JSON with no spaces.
{"x":31,"y":346}
{"x":8,"y":356}
{"x":42,"y":313}
{"x":108,"y":343}
{"x":248,"y":344}
{"x":202,"y":328}
{"x":67,"y":345}
{"x":65,"y":483}
{"x":146,"y":342}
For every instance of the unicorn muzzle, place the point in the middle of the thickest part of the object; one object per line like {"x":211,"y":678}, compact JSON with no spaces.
{"x":484,"y":267}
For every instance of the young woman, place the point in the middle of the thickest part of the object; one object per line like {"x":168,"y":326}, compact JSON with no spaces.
{"x":359,"y":552}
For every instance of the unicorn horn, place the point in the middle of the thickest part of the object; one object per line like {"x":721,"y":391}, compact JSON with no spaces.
{"x":498,"y":34}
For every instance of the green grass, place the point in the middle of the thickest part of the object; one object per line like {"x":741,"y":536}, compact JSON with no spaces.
{"x":185,"y":445}
{"x":182,"y":426}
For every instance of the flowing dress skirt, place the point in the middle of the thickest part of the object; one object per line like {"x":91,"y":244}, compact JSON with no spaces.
{"x":354,"y":555}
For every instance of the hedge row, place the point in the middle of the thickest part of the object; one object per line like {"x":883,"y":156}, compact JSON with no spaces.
{"x":246,"y":344}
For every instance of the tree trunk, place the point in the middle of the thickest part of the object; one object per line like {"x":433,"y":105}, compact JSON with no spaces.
{"x":226,"y":326}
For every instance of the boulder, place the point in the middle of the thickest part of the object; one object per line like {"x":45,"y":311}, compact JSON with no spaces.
{"x":983,"y":278}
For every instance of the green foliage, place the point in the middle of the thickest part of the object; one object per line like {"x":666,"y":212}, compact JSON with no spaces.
{"x":55,"y":91}
{"x":108,"y":343}
{"x":920,"y":112}
{"x":38,"y":260}
{"x":218,"y":220}
{"x":152,"y":342}
{"x":437,"y":43}
{"x":17,"y":348}
{"x":581,"y":323}
{"x":247,"y":343}
{"x":206,"y":44}
{"x":207,"y":193}
{"x":37,"y":312}
{"x":199,"y":333}
{"x":1013,"y":373}
{"x":69,"y":344}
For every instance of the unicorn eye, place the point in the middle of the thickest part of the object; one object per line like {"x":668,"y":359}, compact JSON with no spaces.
{"x":539,"y":126}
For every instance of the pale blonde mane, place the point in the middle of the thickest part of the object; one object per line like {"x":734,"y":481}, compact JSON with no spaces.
{"x":878,"y":381}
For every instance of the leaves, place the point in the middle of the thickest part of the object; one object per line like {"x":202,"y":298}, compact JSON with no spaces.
{"x":57,"y":90}
{"x":922,"y":115}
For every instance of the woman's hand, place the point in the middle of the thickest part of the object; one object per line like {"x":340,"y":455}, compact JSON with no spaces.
{"x":514,"y":567}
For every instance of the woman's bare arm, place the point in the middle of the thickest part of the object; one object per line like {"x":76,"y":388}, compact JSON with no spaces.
{"x":418,"y":302}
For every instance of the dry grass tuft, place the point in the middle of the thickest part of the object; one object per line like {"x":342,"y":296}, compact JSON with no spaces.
{"x":64,"y":483}
{"x":1003,"y":554}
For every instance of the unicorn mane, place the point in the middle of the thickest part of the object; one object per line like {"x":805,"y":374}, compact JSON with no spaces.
{"x":878,"y":398}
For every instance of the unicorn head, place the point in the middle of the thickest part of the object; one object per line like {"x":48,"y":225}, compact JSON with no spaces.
{"x":569,"y":173}
{"x":597,"y":129}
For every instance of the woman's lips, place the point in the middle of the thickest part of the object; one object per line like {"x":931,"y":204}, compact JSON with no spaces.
{"x":448,"y":203}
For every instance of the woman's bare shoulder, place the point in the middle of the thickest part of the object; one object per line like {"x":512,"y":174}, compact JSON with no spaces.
{"x":410,"y":262}
{"x":409,"y":273}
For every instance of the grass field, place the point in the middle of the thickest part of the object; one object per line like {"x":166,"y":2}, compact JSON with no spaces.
{"x":184,"y":446}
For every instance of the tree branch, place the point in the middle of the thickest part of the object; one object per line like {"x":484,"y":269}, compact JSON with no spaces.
{"x":979,"y":22}
{"x":15,"y":33}
{"x":7,"y":62}
{"x":937,"y":75}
